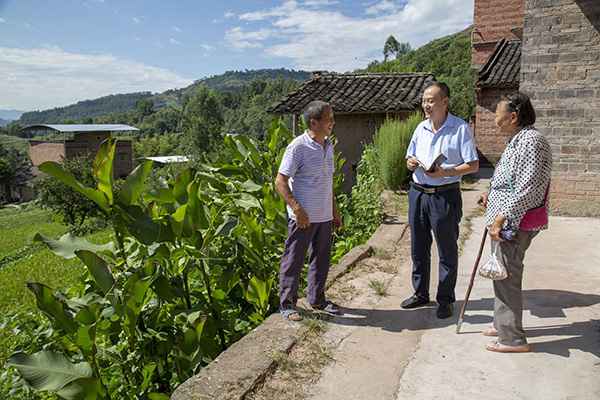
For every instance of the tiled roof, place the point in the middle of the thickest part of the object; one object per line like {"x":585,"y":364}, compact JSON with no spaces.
{"x":503,"y":67}
{"x":358,"y":93}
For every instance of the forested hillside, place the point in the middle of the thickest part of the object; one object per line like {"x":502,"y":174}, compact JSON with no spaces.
{"x":230,"y":81}
{"x":85,"y":109}
{"x":449,"y":59}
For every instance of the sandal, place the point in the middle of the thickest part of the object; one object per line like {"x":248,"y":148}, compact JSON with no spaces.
{"x":328,"y":307}
{"x":291,"y":315}
{"x":491,"y":331}
{"x":503,"y":348}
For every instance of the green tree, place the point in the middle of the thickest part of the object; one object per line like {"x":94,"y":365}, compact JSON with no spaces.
{"x":390,"y":47}
{"x":15,"y":171}
{"x":144,"y":107}
{"x":403,"y":48}
{"x":202,"y":119}
{"x":73,"y":207}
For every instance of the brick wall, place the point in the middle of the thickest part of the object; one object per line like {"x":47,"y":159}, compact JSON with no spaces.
{"x":561,"y":72}
{"x":490,"y":141}
{"x":494,"y":20}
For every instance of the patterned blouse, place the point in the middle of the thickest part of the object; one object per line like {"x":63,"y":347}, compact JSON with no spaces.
{"x":521,"y":178}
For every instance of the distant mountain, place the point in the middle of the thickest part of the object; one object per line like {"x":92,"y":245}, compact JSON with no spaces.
{"x":85,"y":109}
{"x":10,"y":114}
{"x":4,"y":122}
{"x":230,"y":81}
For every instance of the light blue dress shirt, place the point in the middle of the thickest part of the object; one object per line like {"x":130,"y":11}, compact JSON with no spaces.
{"x":454,"y":139}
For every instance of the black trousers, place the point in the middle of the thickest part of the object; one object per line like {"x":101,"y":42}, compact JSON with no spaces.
{"x":439,"y":213}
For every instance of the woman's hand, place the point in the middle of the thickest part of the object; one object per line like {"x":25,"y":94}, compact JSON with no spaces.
{"x":495,"y":228}
{"x":483,"y":200}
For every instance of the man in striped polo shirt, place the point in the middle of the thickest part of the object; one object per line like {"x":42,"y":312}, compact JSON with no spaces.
{"x":305,"y":181}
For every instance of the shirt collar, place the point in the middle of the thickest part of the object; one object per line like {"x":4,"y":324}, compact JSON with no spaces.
{"x":448,"y":123}
{"x":311,"y":140}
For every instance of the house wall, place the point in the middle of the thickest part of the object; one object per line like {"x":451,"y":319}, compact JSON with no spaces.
{"x":89,"y":144}
{"x":40,"y":151}
{"x":561,"y":72}
{"x":353,"y":131}
{"x":490,"y":142}
{"x":494,"y":20}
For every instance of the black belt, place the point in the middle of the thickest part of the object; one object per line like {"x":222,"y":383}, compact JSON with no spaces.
{"x":435,"y":189}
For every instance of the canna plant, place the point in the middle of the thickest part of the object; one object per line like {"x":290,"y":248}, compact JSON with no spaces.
{"x":191,"y":269}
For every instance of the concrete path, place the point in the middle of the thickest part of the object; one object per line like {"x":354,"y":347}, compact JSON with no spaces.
{"x":384,"y":352}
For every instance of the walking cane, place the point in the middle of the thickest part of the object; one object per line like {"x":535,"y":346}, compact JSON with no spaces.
{"x":464,"y":306}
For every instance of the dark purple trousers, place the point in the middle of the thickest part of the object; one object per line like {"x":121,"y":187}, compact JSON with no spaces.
{"x":317,"y":237}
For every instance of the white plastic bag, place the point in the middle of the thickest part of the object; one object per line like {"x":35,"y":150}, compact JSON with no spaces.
{"x":494,"y":268}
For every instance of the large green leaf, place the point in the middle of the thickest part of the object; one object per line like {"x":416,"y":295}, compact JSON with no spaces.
{"x":57,"y":171}
{"x":247,"y":202}
{"x":181,"y":183}
{"x":195,"y":209}
{"x":54,"y":308}
{"x":161,"y":195}
{"x":98,"y":269}
{"x":82,"y":389}
{"x":49,"y":371}
{"x":103,"y":167}
{"x":134,"y":184}
{"x":68,"y":244}
{"x":141,"y":225}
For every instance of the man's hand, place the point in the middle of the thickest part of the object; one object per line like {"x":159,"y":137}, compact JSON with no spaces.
{"x":483,"y":200}
{"x":302,"y":219}
{"x":337,"y":220}
{"x":412,"y":163}
{"x":438,"y":172}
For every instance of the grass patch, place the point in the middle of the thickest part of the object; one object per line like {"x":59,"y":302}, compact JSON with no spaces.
{"x":19,"y":227}
{"x":24,"y":262}
{"x":378,"y":287}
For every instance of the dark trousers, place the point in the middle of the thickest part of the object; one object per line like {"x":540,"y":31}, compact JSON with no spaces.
{"x":439,"y":213}
{"x":318,"y":238}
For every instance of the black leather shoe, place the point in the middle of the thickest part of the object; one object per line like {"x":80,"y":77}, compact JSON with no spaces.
{"x":414,"y":301}
{"x":444,"y":311}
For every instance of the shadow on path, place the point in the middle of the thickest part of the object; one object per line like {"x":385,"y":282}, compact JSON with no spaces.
{"x":542,"y":303}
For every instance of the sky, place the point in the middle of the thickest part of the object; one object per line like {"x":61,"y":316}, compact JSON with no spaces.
{"x":57,"y":52}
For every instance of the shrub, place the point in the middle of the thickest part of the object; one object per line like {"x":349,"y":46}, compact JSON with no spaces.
{"x":391,"y":141}
{"x":75,"y":209}
{"x":361,"y":211}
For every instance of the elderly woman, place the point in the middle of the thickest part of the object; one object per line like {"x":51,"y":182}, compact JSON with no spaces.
{"x":517,"y":197}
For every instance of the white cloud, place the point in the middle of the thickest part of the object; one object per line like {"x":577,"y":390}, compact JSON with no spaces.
{"x":229,"y":14}
{"x":319,"y":3}
{"x":2,"y":20}
{"x":317,"y":39}
{"x":51,"y":77}
{"x":384,"y":6}
{"x":174,"y":41}
{"x":177,"y":29}
{"x":240,"y":39}
{"x":207,"y":47}
{"x":136,"y":20}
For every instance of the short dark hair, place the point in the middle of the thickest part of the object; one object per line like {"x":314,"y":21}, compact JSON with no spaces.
{"x":440,"y":85}
{"x":314,"y":110}
{"x":520,"y":103}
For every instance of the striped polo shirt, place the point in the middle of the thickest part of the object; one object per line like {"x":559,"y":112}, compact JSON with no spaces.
{"x":310,"y":168}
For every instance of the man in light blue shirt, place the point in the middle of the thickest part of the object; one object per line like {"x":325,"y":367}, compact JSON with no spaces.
{"x":435,"y":203}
